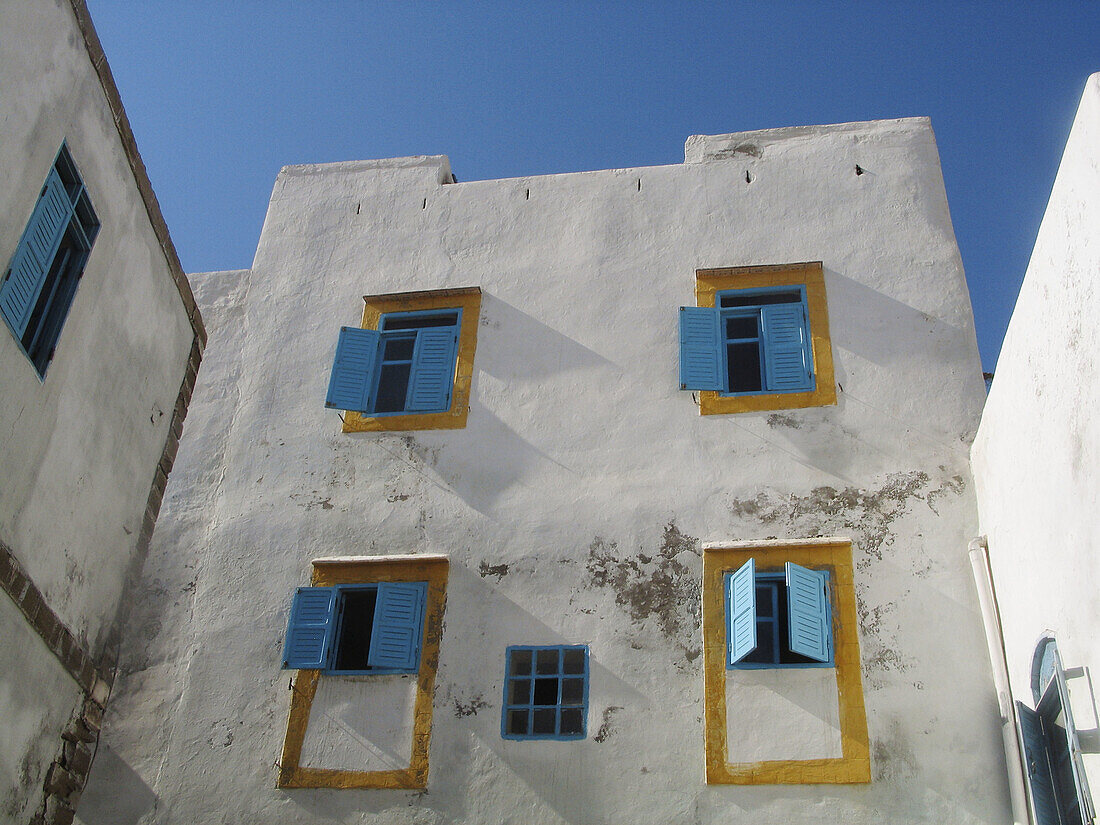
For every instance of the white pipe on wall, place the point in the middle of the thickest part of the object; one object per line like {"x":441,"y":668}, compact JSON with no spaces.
{"x":991,"y":618}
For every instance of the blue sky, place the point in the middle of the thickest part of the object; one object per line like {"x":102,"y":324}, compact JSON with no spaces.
{"x":222,"y":94}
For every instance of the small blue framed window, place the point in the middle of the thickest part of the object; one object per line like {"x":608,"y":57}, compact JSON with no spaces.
{"x":545,"y":692}
{"x":357,"y":628}
{"x":753,"y":341}
{"x":778,"y":618}
{"x":405,"y":366}
{"x":41,"y":280}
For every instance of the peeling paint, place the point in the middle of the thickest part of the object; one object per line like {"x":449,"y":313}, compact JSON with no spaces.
{"x":870,"y":513}
{"x":664,"y":586}
{"x":605,"y":731}
{"x":498,"y":570}
{"x":469,"y":708}
{"x":780,"y":420}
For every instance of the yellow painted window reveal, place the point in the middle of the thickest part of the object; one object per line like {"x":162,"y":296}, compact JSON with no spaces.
{"x":468,"y":299}
{"x":709,"y":282}
{"x":835,"y":556}
{"x":364,"y":570}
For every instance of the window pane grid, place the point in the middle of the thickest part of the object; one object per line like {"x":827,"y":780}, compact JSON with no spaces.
{"x":546,"y":691}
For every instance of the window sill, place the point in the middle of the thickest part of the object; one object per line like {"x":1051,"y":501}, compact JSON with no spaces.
{"x":714,"y":403}
{"x":452,"y":419}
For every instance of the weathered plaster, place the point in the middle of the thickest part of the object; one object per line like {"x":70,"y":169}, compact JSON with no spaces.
{"x":80,"y":449}
{"x":85,"y":451}
{"x":573,"y":503}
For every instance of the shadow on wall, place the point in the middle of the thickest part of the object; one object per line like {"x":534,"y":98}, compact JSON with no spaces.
{"x":542,"y":773}
{"x":116,"y":794}
{"x":881,"y":329}
{"x":460,"y":467}
{"x":533,"y":349}
{"x":469,"y":759}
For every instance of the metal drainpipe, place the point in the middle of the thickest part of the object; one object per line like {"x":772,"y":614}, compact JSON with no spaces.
{"x":991,"y":618}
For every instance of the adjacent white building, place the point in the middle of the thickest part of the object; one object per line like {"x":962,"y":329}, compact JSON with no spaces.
{"x":99,"y":342}
{"x":642,"y":495}
{"x":1035,"y":464}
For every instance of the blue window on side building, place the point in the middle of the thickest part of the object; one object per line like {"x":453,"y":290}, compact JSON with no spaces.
{"x":778,"y":619}
{"x":1057,"y":784}
{"x":407,"y":365}
{"x":546,"y":692}
{"x":356,"y":628}
{"x":753,"y":341}
{"x":41,"y":279}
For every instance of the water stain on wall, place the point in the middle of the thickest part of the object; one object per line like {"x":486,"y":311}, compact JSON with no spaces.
{"x":664,"y":586}
{"x":869,"y":513}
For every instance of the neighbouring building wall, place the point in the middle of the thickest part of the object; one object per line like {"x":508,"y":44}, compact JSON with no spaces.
{"x":1038,"y":448}
{"x":85,"y":449}
{"x":576,"y":505}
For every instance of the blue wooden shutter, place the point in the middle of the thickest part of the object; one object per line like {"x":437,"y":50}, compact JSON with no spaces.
{"x":34,"y":254}
{"x":433,"y":370}
{"x":741,"y":612}
{"x":352,"y":379}
{"x":1043,"y":801}
{"x":310,"y":626}
{"x":398,"y":625}
{"x":787,"y":358}
{"x":700,"y":349}
{"x":808,"y":612}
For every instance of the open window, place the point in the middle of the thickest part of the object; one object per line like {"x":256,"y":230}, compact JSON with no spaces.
{"x":356,"y":628}
{"x":410,"y":365}
{"x":758,"y":339}
{"x":1057,"y":785}
{"x":778,"y":619}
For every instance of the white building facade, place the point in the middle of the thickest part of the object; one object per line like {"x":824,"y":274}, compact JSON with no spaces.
{"x":1035,"y":462}
{"x":641,"y":495}
{"x":99,"y":342}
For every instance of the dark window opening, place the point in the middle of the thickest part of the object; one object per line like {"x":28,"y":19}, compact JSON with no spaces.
{"x":449,"y":319}
{"x":743,"y":367}
{"x":773,"y":625}
{"x":356,"y":623}
{"x":740,"y":299}
{"x":393,"y":386}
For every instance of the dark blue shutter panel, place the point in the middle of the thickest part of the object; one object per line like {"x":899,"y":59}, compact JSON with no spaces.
{"x":433,"y":370}
{"x":787,"y":358}
{"x":352,"y":379}
{"x":700,"y":349}
{"x":35,"y":253}
{"x":308,"y":631}
{"x":1037,"y":764}
{"x":398,"y":625}
{"x":741,"y":612}
{"x":808,"y":612}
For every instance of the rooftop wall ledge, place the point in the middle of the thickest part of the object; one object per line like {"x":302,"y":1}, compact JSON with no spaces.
{"x":435,"y":168}
{"x":703,"y":148}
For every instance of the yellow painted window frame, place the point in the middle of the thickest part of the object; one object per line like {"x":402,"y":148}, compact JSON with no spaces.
{"x":368,"y":570}
{"x":709,"y":282}
{"x":834,"y":555}
{"x":468,"y":299}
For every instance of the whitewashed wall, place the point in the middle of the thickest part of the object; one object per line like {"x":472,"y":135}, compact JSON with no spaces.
{"x":1037,"y":454}
{"x":574,"y":502}
{"x":78,"y":450}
